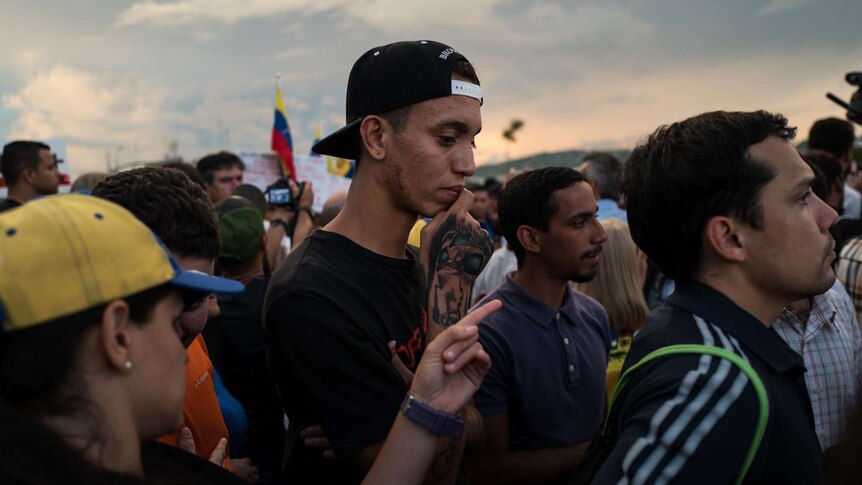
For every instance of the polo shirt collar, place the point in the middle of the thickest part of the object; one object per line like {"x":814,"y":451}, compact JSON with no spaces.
{"x":536,"y":310}
{"x":719,"y":310}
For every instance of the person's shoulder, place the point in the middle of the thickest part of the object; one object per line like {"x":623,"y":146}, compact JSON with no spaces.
{"x":7,"y":204}
{"x":308,"y":264}
{"x":670,"y":372}
{"x":588,"y":304}
{"x":669,"y":325}
{"x":501,"y":316}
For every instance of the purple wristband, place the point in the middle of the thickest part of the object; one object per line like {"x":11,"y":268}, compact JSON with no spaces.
{"x":434,"y":420}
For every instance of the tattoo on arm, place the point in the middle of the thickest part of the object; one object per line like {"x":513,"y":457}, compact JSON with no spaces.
{"x":446,"y":460}
{"x":457,"y":255}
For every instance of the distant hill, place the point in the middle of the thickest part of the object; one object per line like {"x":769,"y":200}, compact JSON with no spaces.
{"x":568,"y":158}
{"x":573,"y":158}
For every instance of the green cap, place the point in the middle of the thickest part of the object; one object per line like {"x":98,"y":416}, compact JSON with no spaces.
{"x":241,"y":227}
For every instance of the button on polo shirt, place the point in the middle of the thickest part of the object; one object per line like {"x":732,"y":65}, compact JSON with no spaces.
{"x":548,"y":367}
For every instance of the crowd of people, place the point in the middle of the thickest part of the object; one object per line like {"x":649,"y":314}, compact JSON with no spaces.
{"x":688,"y":315}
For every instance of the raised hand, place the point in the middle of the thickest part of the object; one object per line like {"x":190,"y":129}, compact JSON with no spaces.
{"x":314,"y":437}
{"x":454,"y":364}
{"x":245,"y":469}
{"x":187,"y":442}
{"x":453,"y":252}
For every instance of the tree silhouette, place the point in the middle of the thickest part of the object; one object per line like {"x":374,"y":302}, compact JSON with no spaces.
{"x":509,"y":133}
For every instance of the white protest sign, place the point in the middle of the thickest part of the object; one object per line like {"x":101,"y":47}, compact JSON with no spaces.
{"x":262,"y":169}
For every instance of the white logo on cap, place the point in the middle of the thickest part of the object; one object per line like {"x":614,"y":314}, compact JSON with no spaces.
{"x":446,"y":53}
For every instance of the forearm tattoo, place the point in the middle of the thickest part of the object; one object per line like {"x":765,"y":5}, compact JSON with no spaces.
{"x":457,"y":254}
{"x":446,"y":460}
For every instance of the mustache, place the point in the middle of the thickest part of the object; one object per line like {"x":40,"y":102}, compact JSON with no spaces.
{"x":591,"y":254}
{"x":830,"y":246}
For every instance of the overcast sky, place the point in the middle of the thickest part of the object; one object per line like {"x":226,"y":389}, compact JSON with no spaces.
{"x":125,"y":79}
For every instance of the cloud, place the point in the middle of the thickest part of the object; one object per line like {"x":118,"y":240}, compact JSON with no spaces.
{"x":292,"y":53}
{"x":776,"y":6}
{"x":103,"y":116}
{"x":608,"y":110}
{"x":184,"y":12}
{"x":64,"y":101}
{"x":88,"y":111}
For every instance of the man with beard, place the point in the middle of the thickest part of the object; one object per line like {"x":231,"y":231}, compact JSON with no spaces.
{"x":543,"y":398}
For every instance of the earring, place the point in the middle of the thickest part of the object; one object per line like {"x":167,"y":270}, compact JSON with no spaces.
{"x":128,"y":365}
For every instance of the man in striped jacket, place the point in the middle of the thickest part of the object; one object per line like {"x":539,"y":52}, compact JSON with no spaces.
{"x":722,"y":202}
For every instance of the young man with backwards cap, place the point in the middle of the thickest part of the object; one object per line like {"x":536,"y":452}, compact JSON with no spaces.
{"x":339,"y":299}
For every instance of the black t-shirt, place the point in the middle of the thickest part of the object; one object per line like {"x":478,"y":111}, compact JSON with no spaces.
{"x":330,"y":311}
{"x":7,"y":204}
{"x":235,"y":343}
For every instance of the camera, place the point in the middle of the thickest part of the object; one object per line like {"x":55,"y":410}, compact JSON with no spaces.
{"x":279,"y":194}
{"x":854,"y":109}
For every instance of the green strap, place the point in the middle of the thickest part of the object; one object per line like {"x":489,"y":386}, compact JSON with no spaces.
{"x":744,"y":366}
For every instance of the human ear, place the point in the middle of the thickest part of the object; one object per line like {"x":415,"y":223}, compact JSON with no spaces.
{"x":115,"y":337}
{"x":373,"y":133}
{"x":529,"y":239}
{"x":723,"y":238}
{"x":28,"y":175}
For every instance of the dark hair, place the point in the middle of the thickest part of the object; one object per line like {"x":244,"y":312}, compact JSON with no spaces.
{"x":686,"y":173}
{"x":494,"y":187}
{"x":19,"y":155}
{"x":210,"y":164}
{"x":528,"y":200}
{"x":832,"y":135}
{"x":188,"y":169}
{"x":604,"y":170}
{"x":36,"y":363}
{"x":171,"y":205}
{"x":829,"y":167}
{"x":820,"y":186}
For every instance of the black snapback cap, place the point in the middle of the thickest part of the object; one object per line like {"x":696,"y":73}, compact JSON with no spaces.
{"x":392,"y":76}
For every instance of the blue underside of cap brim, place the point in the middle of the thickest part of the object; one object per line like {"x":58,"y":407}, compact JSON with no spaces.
{"x":205,"y":283}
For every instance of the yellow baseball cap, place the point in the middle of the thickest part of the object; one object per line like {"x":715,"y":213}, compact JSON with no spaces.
{"x":63,"y":254}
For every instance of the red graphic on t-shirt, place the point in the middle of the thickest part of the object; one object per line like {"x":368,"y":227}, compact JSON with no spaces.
{"x":408,"y":352}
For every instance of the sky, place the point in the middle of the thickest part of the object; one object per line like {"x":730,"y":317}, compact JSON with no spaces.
{"x":129,"y":80}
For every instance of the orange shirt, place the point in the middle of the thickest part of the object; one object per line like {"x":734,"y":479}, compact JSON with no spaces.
{"x":201,"y":411}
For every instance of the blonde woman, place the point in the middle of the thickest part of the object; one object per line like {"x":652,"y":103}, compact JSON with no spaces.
{"x":618,"y":287}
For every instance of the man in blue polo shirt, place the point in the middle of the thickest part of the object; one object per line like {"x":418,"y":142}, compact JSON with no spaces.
{"x":722,"y":202}
{"x":543,"y":398}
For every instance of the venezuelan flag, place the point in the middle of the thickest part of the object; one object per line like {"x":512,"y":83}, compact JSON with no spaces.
{"x":282,"y":143}
{"x":316,"y":139}
{"x":340,"y":166}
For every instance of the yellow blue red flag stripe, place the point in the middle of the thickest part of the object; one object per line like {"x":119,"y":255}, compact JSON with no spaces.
{"x":282,"y":143}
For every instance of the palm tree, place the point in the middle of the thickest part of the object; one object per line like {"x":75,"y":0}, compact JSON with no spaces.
{"x":509,"y":133}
